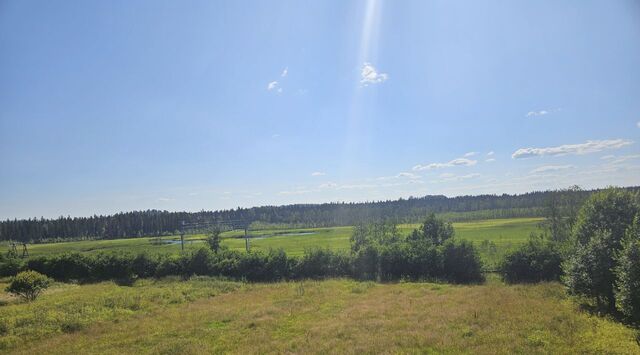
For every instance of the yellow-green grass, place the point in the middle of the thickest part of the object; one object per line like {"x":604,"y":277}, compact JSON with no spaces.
{"x":505,"y":233}
{"x":333,"y":316}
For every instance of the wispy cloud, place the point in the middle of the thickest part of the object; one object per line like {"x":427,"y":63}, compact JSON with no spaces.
{"x":491,"y":153}
{"x":623,"y":158}
{"x":164,"y":199}
{"x":470,"y":154}
{"x":541,"y":112}
{"x":638,"y":124}
{"x":490,"y":160}
{"x":272,"y":85}
{"x":369,"y":75}
{"x":402,"y":175}
{"x":582,"y":148}
{"x":454,"y":162}
{"x":318,"y":173}
{"x":284,"y":73}
{"x":408,"y":175}
{"x":548,"y":168}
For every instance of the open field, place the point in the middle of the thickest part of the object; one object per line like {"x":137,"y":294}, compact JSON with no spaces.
{"x":205,"y":315}
{"x":505,"y":234}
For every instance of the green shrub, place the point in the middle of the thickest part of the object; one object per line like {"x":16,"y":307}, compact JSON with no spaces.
{"x":628,"y":275}
{"x":599,"y":233}
{"x":28,"y":284}
{"x":533,"y":262}
{"x":461,"y":262}
{"x":9,"y":265}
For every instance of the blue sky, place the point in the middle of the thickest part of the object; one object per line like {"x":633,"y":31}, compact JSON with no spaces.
{"x":110,"y":106}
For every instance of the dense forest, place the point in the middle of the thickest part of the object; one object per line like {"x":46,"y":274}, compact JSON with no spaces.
{"x":154,"y":222}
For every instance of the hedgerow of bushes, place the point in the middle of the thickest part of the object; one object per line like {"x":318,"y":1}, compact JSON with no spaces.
{"x":378,"y":253}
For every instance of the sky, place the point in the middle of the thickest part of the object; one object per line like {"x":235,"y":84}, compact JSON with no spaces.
{"x":110,"y":106}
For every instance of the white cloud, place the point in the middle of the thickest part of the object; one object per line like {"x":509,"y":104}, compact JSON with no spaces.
{"x":285,"y":71}
{"x":164,"y":199}
{"x":638,"y":124}
{"x":369,"y":75}
{"x":537,"y":113}
{"x":328,"y":185}
{"x":541,"y":112}
{"x":582,"y":148}
{"x":408,"y":176}
{"x":275,"y":135}
{"x":272,"y":85}
{"x":470,"y":154}
{"x":490,"y":153}
{"x":318,"y":173}
{"x":607,"y":157}
{"x":454,"y":162}
{"x":490,"y":160}
{"x":547,"y":168}
{"x":624,"y":158}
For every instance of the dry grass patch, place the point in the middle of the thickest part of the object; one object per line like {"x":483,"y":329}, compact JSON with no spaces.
{"x":343,"y":316}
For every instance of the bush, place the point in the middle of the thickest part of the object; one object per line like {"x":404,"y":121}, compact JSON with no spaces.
{"x":461,"y":262}
{"x":423,"y":261}
{"x":589,"y":271}
{"x":113,"y":266}
{"x":366,"y":263}
{"x":599,"y":233}
{"x":628,"y":275}
{"x":28,"y":285}
{"x":9,"y":265}
{"x":63,"y":267}
{"x":533,"y":262}
{"x":319,"y":263}
{"x":169,"y":266}
{"x":143,"y":265}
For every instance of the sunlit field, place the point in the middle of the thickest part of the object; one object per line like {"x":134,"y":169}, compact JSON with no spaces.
{"x":492,"y":237}
{"x":205,"y":315}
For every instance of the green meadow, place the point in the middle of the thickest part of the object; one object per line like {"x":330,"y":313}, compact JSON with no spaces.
{"x":493,"y":238}
{"x":205,"y":315}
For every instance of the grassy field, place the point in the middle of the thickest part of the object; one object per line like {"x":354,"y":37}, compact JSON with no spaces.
{"x":205,"y":315}
{"x":500,"y":235}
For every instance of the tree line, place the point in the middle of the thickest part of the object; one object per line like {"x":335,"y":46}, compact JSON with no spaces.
{"x":378,"y":252}
{"x":411,"y":210}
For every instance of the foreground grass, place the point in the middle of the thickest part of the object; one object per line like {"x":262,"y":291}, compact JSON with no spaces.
{"x":68,"y":308}
{"x":336,"y":316}
{"x":493,"y":237}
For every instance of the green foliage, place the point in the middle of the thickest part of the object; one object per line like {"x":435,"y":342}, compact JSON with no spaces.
{"x":599,"y":233}
{"x":28,"y":285}
{"x":561,"y":213}
{"x":533,"y":262}
{"x":317,"y":263}
{"x":213,"y":240}
{"x":461,"y":262}
{"x":434,"y":230}
{"x":9,"y":265}
{"x":610,"y":210}
{"x":628,"y":274}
